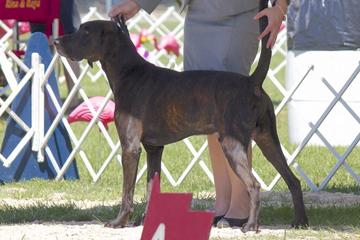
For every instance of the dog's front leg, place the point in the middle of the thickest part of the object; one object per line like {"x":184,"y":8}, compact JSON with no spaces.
{"x":153,"y":159}
{"x":130,"y":133}
{"x":130,"y":162}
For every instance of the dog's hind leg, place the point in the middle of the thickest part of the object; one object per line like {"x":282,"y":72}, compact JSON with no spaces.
{"x":268,"y":141}
{"x":236,"y":153}
{"x":130,"y":133}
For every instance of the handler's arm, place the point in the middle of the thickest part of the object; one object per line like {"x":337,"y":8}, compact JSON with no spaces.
{"x":129,"y":8}
{"x":275,"y":17}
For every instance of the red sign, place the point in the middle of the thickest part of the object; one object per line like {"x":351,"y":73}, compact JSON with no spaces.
{"x":169,"y":216}
{"x":30,"y":10}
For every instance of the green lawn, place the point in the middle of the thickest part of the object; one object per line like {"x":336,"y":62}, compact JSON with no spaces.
{"x":318,"y":217}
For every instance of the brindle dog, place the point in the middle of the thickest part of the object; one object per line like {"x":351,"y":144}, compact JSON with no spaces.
{"x":157,"y":106}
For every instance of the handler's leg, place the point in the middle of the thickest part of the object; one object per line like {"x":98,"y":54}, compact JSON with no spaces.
{"x":232,"y":198}
{"x":239,"y":204}
{"x":240,"y":54}
{"x":202,"y":51}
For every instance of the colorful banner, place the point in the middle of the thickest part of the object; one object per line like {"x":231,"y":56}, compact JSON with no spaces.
{"x":29,"y":10}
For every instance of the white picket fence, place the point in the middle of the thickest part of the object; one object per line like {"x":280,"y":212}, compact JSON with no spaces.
{"x":159,"y":26}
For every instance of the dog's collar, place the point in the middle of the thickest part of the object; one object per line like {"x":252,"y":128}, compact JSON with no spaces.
{"x":120,"y":22}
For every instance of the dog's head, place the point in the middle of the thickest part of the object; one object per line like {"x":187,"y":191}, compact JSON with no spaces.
{"x":92,"y":41}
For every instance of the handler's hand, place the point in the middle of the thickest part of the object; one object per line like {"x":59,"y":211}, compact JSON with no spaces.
{"x":127,"y":9}
{"x":275,"y":16}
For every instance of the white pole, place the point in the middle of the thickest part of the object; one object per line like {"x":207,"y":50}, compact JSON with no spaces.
{"x":41,"y":112}
{"x":55,"y":28}
{"x":6,"y":68}
{"x":35,"y":95}
{"x":108,"y":5}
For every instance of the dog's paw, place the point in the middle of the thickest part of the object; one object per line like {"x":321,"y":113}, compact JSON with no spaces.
{"x":250,"y":226}
{"x":300,"y":223}
{"x":115,"y":224}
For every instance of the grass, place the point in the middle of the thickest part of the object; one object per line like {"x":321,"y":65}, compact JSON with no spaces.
{"x":282,"y":216}
{"x":315,"y":161}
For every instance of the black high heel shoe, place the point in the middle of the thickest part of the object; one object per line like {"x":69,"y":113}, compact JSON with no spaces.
{"x":217,"y":219}
{"x":231,"y":222}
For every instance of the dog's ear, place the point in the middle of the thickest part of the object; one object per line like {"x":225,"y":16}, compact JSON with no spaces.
{"x":90,"y":63}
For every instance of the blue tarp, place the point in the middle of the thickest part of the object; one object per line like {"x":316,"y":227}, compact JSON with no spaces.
{"x":324,"y":25}
{"x":25,"y":165}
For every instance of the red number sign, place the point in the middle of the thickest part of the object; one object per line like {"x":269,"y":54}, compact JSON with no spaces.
{"x":169,"y":217}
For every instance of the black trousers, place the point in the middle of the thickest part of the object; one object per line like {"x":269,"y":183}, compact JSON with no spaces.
{"x":69,"y":17}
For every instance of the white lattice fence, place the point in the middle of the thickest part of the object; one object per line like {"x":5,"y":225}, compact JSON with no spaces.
{"x":168,"y":22}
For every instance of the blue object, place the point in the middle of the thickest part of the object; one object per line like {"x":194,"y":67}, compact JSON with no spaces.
{"x":324,"y":25}
{"x":26,"y":166}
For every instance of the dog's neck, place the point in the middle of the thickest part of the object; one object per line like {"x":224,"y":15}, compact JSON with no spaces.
{"x":123,"y":63}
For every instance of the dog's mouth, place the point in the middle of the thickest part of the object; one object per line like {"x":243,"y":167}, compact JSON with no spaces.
{"x":62,"y":53}
{"x":69,"y":54}
{"x":75,"y":59}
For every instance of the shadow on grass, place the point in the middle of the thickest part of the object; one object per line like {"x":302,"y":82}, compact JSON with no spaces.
{"x":331,"y":217}
{"x":355,"y":189}
{"x":65,"y":213}
{"x":318,"y":217}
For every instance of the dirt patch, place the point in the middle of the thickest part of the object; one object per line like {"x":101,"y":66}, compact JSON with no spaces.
{"x":68,"y":231}
{"x":94,"y":230}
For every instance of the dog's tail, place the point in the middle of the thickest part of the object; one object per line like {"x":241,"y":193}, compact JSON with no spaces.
{"x":262,"y":68}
